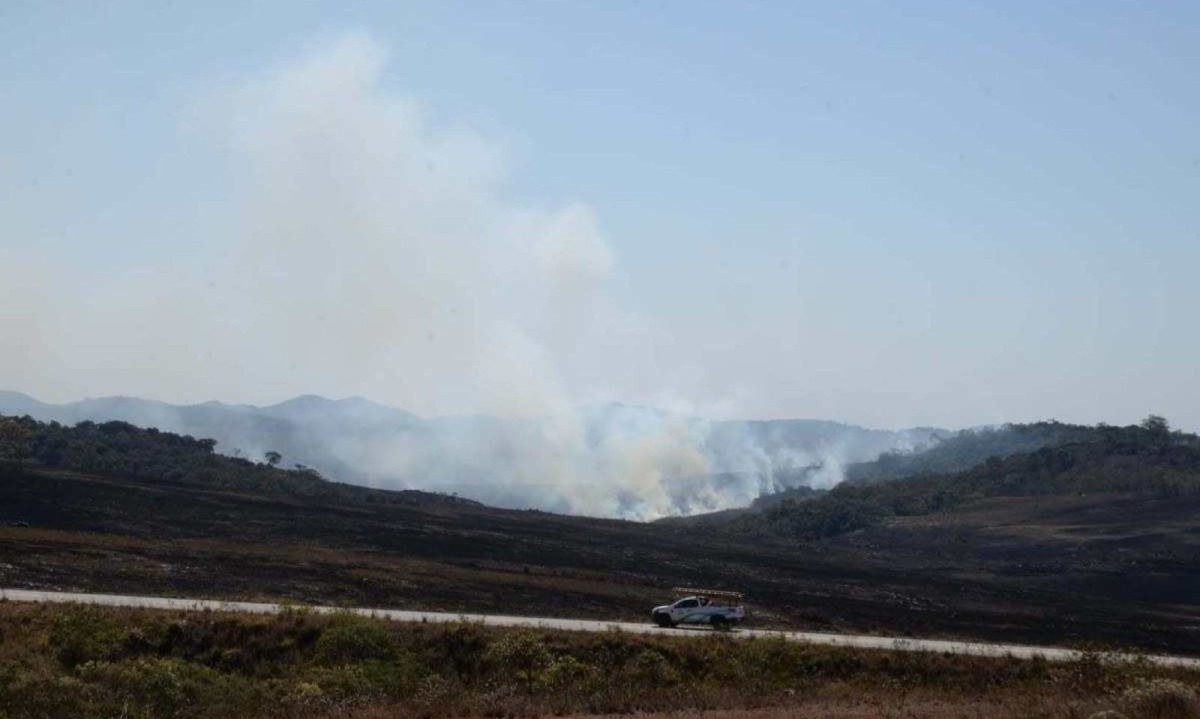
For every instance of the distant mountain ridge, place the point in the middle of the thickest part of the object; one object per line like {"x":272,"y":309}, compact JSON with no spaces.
{"x":605,"y":460}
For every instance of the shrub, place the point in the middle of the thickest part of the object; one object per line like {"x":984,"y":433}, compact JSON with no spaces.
{"x":610,"y":652}
{"x":460,"y":648}
{"x":350,"y":683}
{"x":568,"y":672}
{"x":355,"y":641}
{"x":651,"y":669}
{"x":36,"y":695}
{"x":521,"y":656}
{"x":303,"y":697}
{"x":437,"y":691}
{"x":1162,"y":699}
{"x":771,"y":662}
{"x":83,"y":634}
{"x":165,"y":687}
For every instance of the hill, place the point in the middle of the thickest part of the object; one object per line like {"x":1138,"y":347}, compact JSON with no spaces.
{"x":111,"y":507}
{"x":943,"y":453}
{"x":955,"y":452}
{"x":1137,"y":460}
{"x":607,"y":460}
{"x":1110,"y":516}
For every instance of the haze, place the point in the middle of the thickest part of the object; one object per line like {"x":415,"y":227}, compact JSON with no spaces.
{"x":936,"y":214}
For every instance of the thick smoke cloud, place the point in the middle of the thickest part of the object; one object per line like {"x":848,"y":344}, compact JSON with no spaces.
{"x":370,"y":250}
{"x":352,"y":245}
{"x":379,"y":246}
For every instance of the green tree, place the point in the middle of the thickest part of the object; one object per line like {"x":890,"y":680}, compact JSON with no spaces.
{"x":1156,"y":424}
{"x":15,"y":440}
{"x":273,"y":458}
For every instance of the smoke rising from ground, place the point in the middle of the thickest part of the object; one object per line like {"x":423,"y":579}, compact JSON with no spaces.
{"x":605,"y":460}
{"x":371,"y":250}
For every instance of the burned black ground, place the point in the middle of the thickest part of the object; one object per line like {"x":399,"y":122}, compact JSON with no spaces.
{"x":1114,"y":568}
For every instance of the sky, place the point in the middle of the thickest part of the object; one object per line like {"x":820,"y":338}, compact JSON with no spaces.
{"x":889,"y":214}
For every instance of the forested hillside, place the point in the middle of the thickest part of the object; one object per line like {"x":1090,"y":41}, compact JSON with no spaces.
{"x":1145,"y":459}
{"x":122,"y":450}
{"x":954,"y":452}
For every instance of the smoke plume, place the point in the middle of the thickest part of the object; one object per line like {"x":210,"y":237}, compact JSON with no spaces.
{"x":366,"y":248}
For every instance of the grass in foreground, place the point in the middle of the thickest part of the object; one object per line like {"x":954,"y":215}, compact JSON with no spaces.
{"x":67,"y":661}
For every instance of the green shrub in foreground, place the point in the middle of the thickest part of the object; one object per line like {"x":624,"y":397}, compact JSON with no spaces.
{"x":82,"y":634}
{"x":356,"y":640}
{"x":521,"y":657}
{"x":164,"y":687}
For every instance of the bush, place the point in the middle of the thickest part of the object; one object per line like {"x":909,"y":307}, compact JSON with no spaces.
{"x":355,"y":641}
{"x":569,"y":672}
{"x":303,"y":697}
{"x":1162,"y":699}
{"x":350,"y":683}
{"x":361,"y":659}
{"x":772,"y":662}
{"x":651,"y":669}
{"x":171,"y":687}
{"x":460,"y":648}
{"x":83,"y":634}
{"x":35,"y":695}
{"x":520,"y":656}
{"x":436,"y":691}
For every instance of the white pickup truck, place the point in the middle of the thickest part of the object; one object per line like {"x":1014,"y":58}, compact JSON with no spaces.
{"x":701,"y":606}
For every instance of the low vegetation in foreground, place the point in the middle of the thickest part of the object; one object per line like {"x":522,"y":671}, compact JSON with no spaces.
{"x":75,"y":661}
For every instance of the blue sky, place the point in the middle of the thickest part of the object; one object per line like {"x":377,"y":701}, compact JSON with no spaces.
{"x":888,"y":214}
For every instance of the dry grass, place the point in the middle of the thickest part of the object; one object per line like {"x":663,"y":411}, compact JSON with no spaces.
{"x":880,"y":704}
{"x":64,"y":661}
{"x":881,"y":708}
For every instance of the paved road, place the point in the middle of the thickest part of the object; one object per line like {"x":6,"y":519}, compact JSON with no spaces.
{"x":581,"y":625}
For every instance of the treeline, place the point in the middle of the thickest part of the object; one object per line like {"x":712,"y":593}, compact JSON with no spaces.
{"x":968,"y":448}
{"x":1147,"y":458}
{"x":122,"y":450}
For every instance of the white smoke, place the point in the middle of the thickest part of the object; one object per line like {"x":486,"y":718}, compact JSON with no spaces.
{"x":609,"y":460}
{"x":384,"y":241}
{"x":373,"y":251}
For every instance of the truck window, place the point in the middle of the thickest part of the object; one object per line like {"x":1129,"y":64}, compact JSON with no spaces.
{"x":686,"y":603}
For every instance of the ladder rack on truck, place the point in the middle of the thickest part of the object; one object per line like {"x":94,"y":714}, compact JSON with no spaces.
{"x":713,"y":595}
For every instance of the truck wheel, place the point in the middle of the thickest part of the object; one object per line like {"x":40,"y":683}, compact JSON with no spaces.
{"x":718,"y":622}
{"x":663,"y":620}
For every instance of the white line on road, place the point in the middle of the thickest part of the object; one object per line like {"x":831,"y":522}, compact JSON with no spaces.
{"x":982,"y":649}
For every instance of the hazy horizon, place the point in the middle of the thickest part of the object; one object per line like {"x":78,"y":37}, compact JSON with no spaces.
{"x":351,"y":398}
{"x":938,"y":215}
{"x":731,"y":418}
